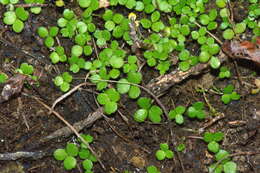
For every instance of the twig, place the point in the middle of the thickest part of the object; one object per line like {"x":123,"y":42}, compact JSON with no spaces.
{"x":232,"y":155}
{"x":22,"y":154}
{"x":212,"y":35}
{"x":66,"y":131}
{"x":66,"y":95}
{"x":195,"y":137}
{"x":19,"y":107}
{"x":31,"y":5}
{"x":95,"y":47}
{"x":71,"y":128}
{"x":177,"y":153}
{"x":214,"y":120}
{"x":162,"y":83}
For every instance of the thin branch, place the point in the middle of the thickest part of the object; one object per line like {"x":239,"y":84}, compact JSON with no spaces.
{"x":212,"y":35}
{"x":233,"y":155}
{"x":71,"y":128}
{"x":66,"y":95}
{"x":22,"y":154}
{"x":31,"y":5}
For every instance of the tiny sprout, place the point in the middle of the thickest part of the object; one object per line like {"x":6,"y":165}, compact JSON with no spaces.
{"x":196,"y":110}
{"x":229,"y":94}
{"x":144,"y":102}
{"x":60,"y":154}
{"x":180,"y":147}
{"x":224,"y":72}
{"x":221,"y":3}
{"x":72,"y":149}
{"x":228,"y":34}
{"x":84,"y":3}
{"x":213,"y":146}
{"x":152,"y":169}
{"x":26,"y":69}
{"x":177,"y":114}
{"x":155,"y":113}
{"x":110,"y":107}
{"x":76,"y":50}
{"x":164,"y":152}
{"x":43,"y":32}
{"x":69,"y":163}
{"x":160,"y":155}
{"x":221,"y":154}
{"x":3,"y":78}
{"x":209,"y":137}
{"x":140,"y":115}
{"x":230,"y":167}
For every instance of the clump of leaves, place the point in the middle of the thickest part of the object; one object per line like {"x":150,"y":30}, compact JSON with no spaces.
{"x":177,"y":114}
{"x":152,"y":169}
{"x":224,"y":72}
{"x":16,"y":16}
{"x":196,"y":111}
{"x":63,"y":81}
{"x":147,"y":110}
{"x":229,"y":94}
{"x":226,"y":164}
{"x":71,"y":151}
{"x":164,"y":152}
{"x":3,"y":77}
{"x":180,"y":147}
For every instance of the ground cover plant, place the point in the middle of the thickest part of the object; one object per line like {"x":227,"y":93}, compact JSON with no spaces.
{"x":128,"y":55}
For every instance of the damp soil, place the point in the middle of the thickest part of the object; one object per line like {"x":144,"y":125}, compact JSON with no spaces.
{"x":121,"y":145}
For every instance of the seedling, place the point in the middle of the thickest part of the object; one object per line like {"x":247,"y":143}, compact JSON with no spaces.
{"x":177,"y":114}
{"x":69,"y":154}
{"x":180,"y":147}
{"x":164,"y":152}
{"x":152,"y":169}
{"x":26,"y":69}
{"x":196,"y":111}
{"x":17,"y":16}
{"x":229,"y":94}
{"x":224,"y":72}
{"x":63,"y":81}
{"x":3,"y":77}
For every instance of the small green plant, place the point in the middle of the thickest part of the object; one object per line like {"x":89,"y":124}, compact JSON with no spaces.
{"x":147,"y":110}
{"x":196,"y":111}
{"x":152,"y":169}
{"x":71,"y":151}
{"x":16,"y":16}
{"x":3,"y":77}
{"x":225,"y":165}
{"x":177,"y":114}
{"x":180,"y":147}
{"x":63,"y":81}
{"x":164,"y":152}
{"x":229,"y":94}
{"x":224,"y":72}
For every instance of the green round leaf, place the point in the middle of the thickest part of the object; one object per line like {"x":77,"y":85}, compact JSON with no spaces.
{"x":87,"y":164}
{"x":60,"y":154}
{"x":160,"y":155}
{"x":230,"y":167}
{"x":69,"y":163}
{"x":140,"y":115}
{"x":18,"y":26}
{"x":213,"y":147}
{"x":123,"y":87}
{"x":228,"y":34}
{"x":134,"y":92}
{"x":110,"y":107}
{"x":214,"y":62}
